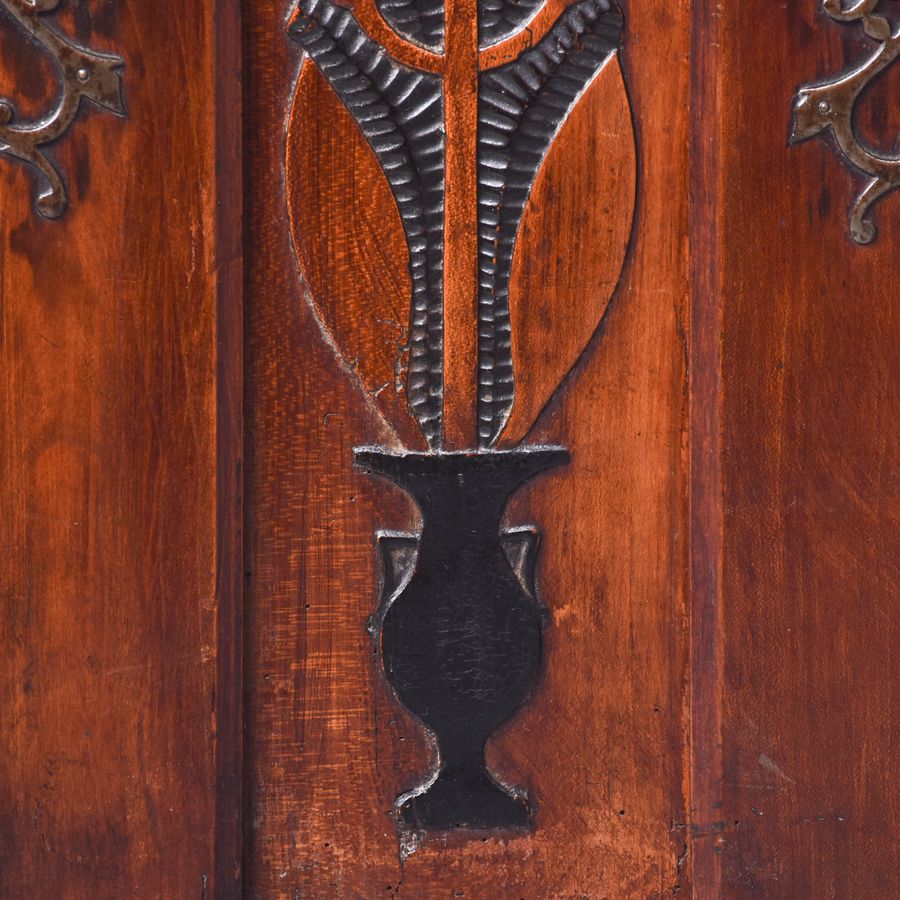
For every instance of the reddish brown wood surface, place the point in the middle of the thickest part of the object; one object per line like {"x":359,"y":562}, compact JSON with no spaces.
{"x":715,"y":717}
{"x":704,"y":451}
{"x":110,"y":472}
{"x":460,"y":225}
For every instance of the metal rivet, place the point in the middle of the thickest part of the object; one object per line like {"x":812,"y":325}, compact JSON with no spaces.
{"x":825,"y":107}
{"x":83,"y":74}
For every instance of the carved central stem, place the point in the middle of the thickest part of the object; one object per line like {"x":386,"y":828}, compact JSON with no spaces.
{"x":461,"y":225}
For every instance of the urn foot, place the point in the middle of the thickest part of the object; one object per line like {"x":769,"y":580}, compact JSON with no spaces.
{"x":464,"y":798}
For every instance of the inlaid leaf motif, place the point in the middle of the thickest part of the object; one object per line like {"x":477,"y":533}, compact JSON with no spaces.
{"x":350,"y":246}
{"x":559,"y":292}
{"x":522,"y":107}
{"x":399,"y":112}
{"x":562,"y":99}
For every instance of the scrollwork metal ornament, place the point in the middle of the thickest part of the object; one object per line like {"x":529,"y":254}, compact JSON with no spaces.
{"x":85,"y":75}
{"x":827,"y":106}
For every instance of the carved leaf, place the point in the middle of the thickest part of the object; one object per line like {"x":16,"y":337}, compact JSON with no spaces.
{"x":422,"y":21}
{"x":522,"y":106}
{"x":585,"y":190}
{"x":399,"y":113}
{"x":350,"y":245}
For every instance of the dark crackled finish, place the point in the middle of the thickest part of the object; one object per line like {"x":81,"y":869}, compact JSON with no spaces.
{"x":521,"y":108}
{"x":459,"y":627}
{"x":422,"y":21}
{"x":400,"y":113}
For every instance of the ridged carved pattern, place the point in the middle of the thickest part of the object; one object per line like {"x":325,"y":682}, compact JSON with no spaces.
{"x":399,"y":112}
{"x":521,"y":107}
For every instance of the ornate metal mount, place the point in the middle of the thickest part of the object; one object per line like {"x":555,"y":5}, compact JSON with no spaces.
{"x":459,"y":625}
{"x":85,"y":74}
{"x":827,"y":105}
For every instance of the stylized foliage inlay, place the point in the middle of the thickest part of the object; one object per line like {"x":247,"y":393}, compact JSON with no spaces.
{"x":521,"y":107}
{"x":399,"y":111}
{"x":462,"y":125}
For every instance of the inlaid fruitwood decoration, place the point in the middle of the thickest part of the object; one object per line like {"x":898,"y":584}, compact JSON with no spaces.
{"x":437,"y":157}
{"x":84,"y":75}
{"x":826,"y":107}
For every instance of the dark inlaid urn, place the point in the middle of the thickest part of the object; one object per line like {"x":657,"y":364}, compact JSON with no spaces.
{"x":459,"y":626}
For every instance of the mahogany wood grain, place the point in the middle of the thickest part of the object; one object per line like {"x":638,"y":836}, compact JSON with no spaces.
{"x":228,"y":741}
{"x":461,"y":225}
{"x":810,"y":487}
{"x":114,"y":436}
{"x":705,"y":450}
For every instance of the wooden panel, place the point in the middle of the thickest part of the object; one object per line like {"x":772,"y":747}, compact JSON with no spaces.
{"x":110,"y":396}
{"x":810,"y":462}
{"x":718,"y":689}
{"x":601,"y":745}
